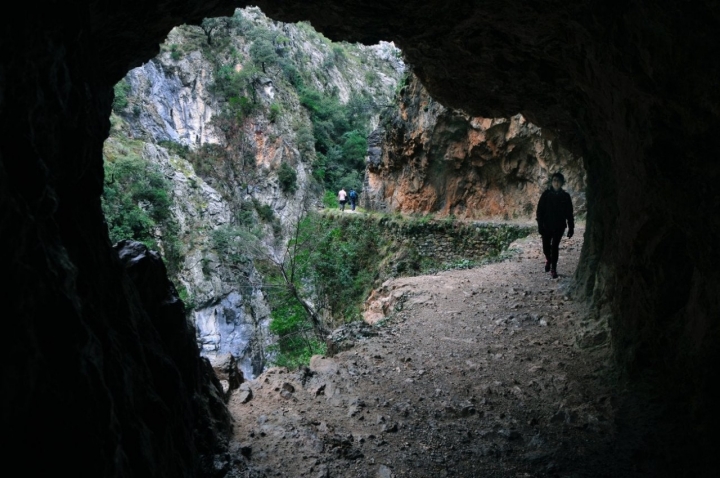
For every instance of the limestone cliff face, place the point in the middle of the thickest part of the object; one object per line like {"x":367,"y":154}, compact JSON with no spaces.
{"x":228,"y":308}
{"x":173,"y":103}
{"x":432,"y":159}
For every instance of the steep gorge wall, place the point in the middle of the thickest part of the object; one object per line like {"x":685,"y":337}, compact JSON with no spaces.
{"x":431,"y":159}
{"x":173,"y":105}
{"x":631,"y":88}
{"x":225,"y":298}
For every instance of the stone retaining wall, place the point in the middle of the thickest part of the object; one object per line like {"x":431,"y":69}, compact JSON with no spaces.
{"x":445,"y":241}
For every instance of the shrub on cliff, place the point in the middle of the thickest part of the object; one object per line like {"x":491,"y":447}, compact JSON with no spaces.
{"x":136,"y":201}
{"x":287,"y":177}
{"x":121,"y":90}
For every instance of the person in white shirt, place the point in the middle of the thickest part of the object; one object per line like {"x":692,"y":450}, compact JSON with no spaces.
{"x":342,"y":198}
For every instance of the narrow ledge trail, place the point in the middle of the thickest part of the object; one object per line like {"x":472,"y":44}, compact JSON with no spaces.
{"x":475,"y":373}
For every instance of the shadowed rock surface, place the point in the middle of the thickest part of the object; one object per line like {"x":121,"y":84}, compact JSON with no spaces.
{"x":631,"y":88}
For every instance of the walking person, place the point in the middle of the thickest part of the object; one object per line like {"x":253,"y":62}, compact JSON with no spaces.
{"x":342,"y":198}
{"x":554,"y":213}
{"x":353,"y":198}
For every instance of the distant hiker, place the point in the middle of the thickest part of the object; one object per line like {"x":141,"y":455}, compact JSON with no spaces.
{"x":342,"y":198}
{"x":353,"y":198}
{"x":554,"y":211}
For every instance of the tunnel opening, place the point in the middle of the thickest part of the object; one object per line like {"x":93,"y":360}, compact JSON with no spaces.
{"x":214,"y":141}
{"x":222,"y":149}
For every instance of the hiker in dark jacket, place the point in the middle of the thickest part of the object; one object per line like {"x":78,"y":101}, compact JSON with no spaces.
{"x":353,"y":198}
{"x":554,"y":212}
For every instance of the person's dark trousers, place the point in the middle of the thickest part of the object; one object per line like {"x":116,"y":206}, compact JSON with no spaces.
{"x":352,"y":204}
{"x":342,"y":205}
{"x":551,"y":246}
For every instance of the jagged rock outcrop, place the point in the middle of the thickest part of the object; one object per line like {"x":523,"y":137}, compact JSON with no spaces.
{"x":159,"y":298}
{"x":431,"y":159}
{"x":172,"y":101}
{"x":175,"y":102}
{"x":631,"y":87}
{"x":229,"y":311}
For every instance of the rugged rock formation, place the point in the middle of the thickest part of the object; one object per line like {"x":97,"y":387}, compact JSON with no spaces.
{"x":172,"y":101}
{"x":229,"y":311}
{"x":631,"y":88}
{"x":432,"y":159}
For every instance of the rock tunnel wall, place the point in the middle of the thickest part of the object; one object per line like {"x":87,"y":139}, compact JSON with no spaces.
{"x":630,"y":88}
{"x":101,"y":374}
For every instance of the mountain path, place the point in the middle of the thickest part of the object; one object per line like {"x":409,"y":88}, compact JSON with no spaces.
{"x":474,"y":373}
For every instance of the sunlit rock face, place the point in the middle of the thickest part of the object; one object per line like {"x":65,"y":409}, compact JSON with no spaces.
{"x":632,"y":88}
{"x":179,"y":107}
{"x":430,"y":159}
{"x":172,"y":104}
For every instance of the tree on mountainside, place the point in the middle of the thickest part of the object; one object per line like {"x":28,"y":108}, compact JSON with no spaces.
{"x":284,"y":271}
{"x":263,"y":53}
{"x":209,"y":25}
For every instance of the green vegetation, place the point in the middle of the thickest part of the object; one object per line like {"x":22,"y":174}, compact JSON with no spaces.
{"x":296,"y":341}
{"x":329,"y":261}
{"x":121,"y":90}
{"x":275,"y":111}
{"x":227,"y":242}
{"x":265,"y":212}
{"x":330,"y":200}
{"x":263,"y":53}
{"x":340,"y":259}
{"x":340,"y":134}
{"x":175,"y":52}
{"x":136,"y":201}
{"x":288,"y":178}
{"x":175,"y":148}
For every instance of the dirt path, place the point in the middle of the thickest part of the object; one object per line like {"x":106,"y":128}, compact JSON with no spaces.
{"x":476,"y":373}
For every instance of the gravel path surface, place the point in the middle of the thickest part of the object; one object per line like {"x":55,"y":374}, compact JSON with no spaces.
{"x":474,"y":373}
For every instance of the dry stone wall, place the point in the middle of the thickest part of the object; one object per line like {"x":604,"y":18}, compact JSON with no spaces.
{"x":454,"y":243}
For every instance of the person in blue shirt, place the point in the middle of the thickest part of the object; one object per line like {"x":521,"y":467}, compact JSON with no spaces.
{"x":353,"y":198}
{"x":554,"y":213}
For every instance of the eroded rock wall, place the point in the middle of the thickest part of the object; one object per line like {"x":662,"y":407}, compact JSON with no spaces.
{"x":427,"y":158}
{"x":224,"y":298}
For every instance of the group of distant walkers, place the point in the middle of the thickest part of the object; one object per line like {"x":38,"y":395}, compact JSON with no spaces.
{"x":344,"y":196}
{"x":554,"y":214}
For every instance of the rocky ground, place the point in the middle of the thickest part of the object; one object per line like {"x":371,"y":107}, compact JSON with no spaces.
{"x":474,"y":373}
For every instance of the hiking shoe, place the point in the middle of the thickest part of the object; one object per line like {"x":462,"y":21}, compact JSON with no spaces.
{"x":547,"y":266}
{"x":553,"y":274}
